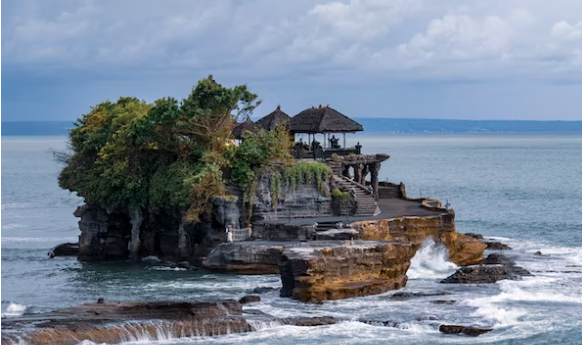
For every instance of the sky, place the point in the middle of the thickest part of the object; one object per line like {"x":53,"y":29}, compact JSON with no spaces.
{"x":453,"y":59}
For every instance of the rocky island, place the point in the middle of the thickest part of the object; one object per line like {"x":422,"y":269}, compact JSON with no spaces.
{"x":193,"y":183}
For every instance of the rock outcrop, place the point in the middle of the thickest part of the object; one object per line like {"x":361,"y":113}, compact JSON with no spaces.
{"x":108,"y":322}
{"x":485,"y":274}
{"x":330,"y":270}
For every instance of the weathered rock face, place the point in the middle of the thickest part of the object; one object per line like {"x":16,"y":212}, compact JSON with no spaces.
{"x":110,"y":234}
{"x":463,"y":249}
{"x":103,"y":235}
{"x":329,"y":270}
{"x":245,"y":258}
{"x":305,"y":200}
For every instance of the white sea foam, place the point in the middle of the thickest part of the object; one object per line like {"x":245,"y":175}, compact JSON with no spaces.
{"x":151,"y":258}
{"x":166,"y":268}
{"x":14,"y":310}
{"x":430,"y":262}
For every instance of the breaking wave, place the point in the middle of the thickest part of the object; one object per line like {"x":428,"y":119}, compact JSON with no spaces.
{"x":14,"y":310}
{"x":430,"y":262}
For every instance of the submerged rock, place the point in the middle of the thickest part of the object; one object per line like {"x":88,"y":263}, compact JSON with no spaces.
{"x":310,"y":321}
{"x":249,"y":299}
{"x":409,"y":295}
{"x":467,"y":330}
{"x":485,"y":274}
{"x":263,"y":289}
{"x":444,"y":301}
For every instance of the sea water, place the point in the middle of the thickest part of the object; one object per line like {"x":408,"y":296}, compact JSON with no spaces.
{"x":523,"y":190}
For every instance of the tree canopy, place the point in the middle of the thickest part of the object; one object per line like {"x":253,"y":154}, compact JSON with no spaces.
{"x":168,"y":155}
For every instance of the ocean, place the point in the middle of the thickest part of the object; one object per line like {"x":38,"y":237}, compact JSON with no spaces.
{"x":522,"y":189}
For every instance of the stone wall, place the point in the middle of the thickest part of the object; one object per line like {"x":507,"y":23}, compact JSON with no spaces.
{"x":303,"y":201}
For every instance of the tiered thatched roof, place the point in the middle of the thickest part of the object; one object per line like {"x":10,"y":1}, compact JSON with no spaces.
{"x":271,"y":121}
{"x":323,"y":120}
{"x":248,"y":125}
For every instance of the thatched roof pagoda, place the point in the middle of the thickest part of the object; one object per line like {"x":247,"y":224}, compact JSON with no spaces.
{"x":271,"y":121}
{"x":323,"y":120}
{"x":248,"y":125}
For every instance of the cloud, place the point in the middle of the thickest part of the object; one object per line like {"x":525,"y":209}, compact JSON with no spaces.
{"x":374,"y":38}
{"x":566,"y":31}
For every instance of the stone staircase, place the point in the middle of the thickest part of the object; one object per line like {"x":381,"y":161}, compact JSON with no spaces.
{"x":365,"y":203}
{"x":334,"y":166}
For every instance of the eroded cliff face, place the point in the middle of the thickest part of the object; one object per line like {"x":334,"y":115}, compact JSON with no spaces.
{"x":111,"y":235}
{"x":123,"y":234}
{"x":463,"y":250}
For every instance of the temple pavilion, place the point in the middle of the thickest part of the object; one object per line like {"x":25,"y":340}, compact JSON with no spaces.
{"x":349,"y":166}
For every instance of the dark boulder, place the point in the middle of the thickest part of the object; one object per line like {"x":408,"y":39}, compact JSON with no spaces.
{"x":467,"y":330}
{"x":64,"y":249}
{"x":249,"y":299}
{"x":475,"y":236}
{"x":497,"y":246}
{"x":497,"y":259}
{"x":485,"y":274}
{"x":538,"y":253}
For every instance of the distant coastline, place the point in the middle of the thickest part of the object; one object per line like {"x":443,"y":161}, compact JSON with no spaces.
{"x":371,"y":125}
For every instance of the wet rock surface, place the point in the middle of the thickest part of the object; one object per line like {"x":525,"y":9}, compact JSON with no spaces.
{"x":485,"y":274}
{"x":466,"y":330}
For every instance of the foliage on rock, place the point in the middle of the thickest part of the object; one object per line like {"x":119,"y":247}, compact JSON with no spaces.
{"x":168,"y":155}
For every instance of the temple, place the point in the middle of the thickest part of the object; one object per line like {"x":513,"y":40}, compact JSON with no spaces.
{"x":349,"y":166}
{"x":326,"y":224}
